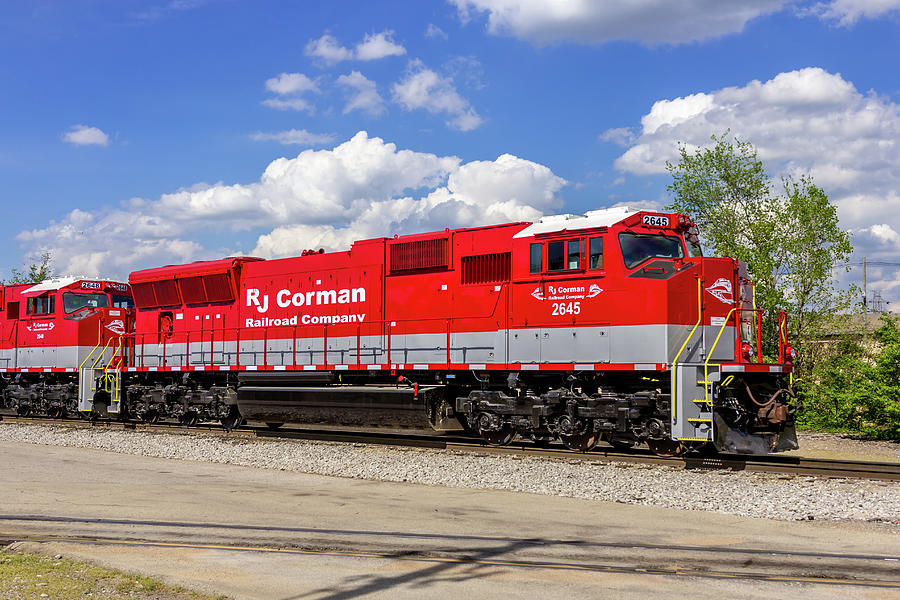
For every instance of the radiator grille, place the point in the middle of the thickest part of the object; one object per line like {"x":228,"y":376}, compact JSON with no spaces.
{"x":422,"y":254}
{"x":486,"y":268}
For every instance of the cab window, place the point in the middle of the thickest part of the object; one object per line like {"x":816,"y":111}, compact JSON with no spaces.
{"x":536,"y":262}
{"x":595,"y":253}
{"x":122,"y":301}
{"x":638,"y":247}
{"x":573,"y":254}
{"x":563,"y":256}
{"x":73,"y":301}
{"x":41,"y":305}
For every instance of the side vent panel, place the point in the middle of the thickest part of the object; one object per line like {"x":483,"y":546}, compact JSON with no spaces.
{"x":486,"y":268}
{"x":419,"y":255}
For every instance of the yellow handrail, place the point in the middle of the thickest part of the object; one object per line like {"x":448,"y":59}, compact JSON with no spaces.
{"x":684,"y":345}
{"x":697,"y":324}
{"x":709,"y":356}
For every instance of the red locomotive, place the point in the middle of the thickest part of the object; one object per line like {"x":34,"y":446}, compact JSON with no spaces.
{"x":50,"y":330}
{"x":577,"y":327}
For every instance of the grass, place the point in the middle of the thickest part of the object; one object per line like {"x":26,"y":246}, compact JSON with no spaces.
{"x":27,"y":576}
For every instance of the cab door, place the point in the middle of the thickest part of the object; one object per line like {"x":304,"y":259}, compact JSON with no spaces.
{"x":38,"y":338}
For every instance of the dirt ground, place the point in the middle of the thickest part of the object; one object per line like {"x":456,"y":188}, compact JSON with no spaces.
{"x":830,"y":445}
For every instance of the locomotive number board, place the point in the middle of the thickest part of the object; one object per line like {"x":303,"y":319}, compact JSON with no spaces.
{"x":656,"y":220}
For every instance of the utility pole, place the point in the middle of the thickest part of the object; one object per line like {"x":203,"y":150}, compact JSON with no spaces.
{"x":865,"y":303}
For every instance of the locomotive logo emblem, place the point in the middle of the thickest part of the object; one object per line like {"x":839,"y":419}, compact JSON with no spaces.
{"x":721,"y":289}
{"x":39,"y":326}
{"x":117,"y":326}
{"x":577,"y":292}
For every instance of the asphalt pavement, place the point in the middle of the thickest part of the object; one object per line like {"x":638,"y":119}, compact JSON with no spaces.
{"x":258,"y":533}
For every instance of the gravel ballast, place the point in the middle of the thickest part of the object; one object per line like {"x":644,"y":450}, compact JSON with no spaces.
{"x":737,"y":493}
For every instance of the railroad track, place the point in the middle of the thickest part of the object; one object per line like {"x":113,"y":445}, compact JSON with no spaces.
{"x":775,"y":463}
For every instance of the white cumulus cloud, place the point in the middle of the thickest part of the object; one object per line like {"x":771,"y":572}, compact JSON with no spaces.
{"x":364,"y":94}
{"x":84,"y":135}
{"x":596,"y":22}
{"x":374,"y":46}
{"x":378,"y":45}
{"x":422,"y":88}
{"x":291,"y":83}
{"x":364,"y":187}
{"x":290,"y":88}
{"x":328,"y":50}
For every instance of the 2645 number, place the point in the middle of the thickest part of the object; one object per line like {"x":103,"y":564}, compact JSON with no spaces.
{"x":656,"y":220}
{"x":566,"y":308}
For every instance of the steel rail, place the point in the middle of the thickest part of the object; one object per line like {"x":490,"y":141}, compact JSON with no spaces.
{"x":772,"y":463}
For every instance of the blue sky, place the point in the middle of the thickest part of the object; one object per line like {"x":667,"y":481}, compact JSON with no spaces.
{"x":134,"y":134}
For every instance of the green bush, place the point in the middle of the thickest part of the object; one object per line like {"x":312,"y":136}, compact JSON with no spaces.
{"x":855,"y":388}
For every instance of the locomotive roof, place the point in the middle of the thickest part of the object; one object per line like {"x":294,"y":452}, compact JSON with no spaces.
{"x":202,"y":267}
{"x":49,"y":285}
{"x":595,"y":218}
{"x":58,"y":283}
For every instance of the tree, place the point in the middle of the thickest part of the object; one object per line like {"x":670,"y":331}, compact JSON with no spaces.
{"x":37,"y":272}
{"x":791,"y":241}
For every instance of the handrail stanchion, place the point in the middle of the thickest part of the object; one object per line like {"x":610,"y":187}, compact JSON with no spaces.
{"x":448,"y":343}
{"x":709,"y":356}
{"x":358,"y":343}
{"x":684,"y":345}
{"x":294,"y":344}
{"x":237,"y":348}
{"x":759,"y":357}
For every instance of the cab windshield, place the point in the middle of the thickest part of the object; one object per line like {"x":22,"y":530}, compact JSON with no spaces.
{"x":73,"y":301}
{"x":638,"y":247}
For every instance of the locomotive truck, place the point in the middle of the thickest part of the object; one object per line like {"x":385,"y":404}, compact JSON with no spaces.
{"x":608,"y":325}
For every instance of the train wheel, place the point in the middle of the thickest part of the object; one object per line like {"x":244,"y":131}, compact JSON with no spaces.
{"x":499,"y":437}
{"x":233,"y":420}
{"x":273,"y":426}
{"x":57,"y":412}
{"x":23,"y":410}
{"x":581,"y":442}
{"x":666,"y":447}
{"x":151,"y":417}
{"x":188,"y":419}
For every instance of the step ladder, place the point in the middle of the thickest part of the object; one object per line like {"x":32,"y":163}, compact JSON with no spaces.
{"x":100,"y":373}
{"x":693,"y":386}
